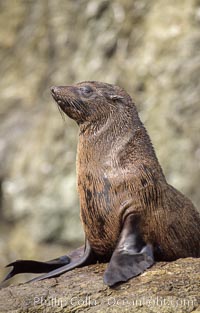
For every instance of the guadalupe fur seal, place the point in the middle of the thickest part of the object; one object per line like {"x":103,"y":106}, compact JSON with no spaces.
{"x":130,"y":214}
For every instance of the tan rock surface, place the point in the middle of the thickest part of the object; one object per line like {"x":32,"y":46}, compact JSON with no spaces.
{"x":166,"y":287}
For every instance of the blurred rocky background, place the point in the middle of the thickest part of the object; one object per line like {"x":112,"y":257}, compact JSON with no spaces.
{"x":151,"y":48}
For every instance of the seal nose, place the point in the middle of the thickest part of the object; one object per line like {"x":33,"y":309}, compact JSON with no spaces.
{"x":53,"y":90}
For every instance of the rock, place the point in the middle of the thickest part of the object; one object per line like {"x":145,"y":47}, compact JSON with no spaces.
{"x":149,"y":48}
{"x":166,"y":287}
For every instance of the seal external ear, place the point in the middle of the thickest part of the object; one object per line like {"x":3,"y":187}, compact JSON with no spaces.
{"x":115,"y":97}
{"x":131,"y":256}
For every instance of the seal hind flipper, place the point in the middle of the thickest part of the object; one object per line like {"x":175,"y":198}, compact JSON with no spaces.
{"x":87,"y":258}
{"x":131,"y":257}
{"x":37,"y":267}
{"x":31,"y":266}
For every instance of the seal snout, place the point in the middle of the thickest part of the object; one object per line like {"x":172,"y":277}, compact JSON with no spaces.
{"x":59,"y":93}
{"x":56,"y":93}
{"x":54,"y":90}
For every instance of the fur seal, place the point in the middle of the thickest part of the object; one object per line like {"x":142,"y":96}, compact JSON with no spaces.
{"x":130,"y":214}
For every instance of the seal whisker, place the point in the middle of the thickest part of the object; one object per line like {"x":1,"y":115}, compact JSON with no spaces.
{"x":79,"y":105}
{"x":61,"y":113}
{"x":73,"y":104}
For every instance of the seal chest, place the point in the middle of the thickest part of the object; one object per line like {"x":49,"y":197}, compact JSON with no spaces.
{"x":100,"y":220}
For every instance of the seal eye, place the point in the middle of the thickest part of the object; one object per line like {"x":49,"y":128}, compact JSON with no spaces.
{"x":86,"y":90}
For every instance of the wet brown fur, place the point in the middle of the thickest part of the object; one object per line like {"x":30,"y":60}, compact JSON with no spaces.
{"x":119,"y":174}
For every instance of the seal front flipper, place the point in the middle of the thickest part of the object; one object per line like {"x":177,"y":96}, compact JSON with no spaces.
{"x":88,"y":257}
{"x":131,"y":257}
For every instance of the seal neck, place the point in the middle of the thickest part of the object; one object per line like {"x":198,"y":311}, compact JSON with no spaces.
{"x":112,"y":125}
{"x":115,"y":139}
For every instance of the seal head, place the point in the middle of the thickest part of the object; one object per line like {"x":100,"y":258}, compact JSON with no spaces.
{"x":87,"y":102}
